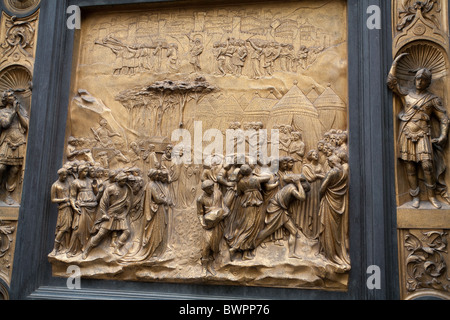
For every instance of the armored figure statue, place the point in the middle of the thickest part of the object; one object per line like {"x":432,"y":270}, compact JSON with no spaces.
{"x":13,"y":127}
{"x":415,"y":142}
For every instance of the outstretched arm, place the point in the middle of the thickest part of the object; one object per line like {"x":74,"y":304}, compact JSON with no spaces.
{"x":392,"y":80}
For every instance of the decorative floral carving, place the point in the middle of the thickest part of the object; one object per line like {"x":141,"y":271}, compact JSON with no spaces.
{"x":425,"y":264}
{"x":19,"y":39}
{"x":409,"y":11}
{"x":6,"y":239}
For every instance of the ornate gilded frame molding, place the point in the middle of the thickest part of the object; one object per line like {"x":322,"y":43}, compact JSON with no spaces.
{"x":18,"y":34}
{"x":420,"y":33}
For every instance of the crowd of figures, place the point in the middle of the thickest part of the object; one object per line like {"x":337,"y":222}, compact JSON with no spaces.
{"x":231,"y":56}
{"x":133,"y":59}
{"x":246,"y":206}
{"x":238,"y":202}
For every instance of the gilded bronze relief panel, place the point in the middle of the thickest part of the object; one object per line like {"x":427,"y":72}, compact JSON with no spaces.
{"x":152,"y":187}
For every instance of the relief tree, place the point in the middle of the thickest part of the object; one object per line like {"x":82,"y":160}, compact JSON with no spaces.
{"x":167,"y":92}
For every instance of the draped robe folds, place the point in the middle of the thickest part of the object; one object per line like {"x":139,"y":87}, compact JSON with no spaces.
{"x":213,"y":234}
{"x":173,"y":166}
{"x":269,"y":191}
{"x":82,"y":193}
{"x":156,"y":211}
{"x":60,"y":194}
{"x":188,"y":186}
{"x":248,"y":218}
{"x":306,"y":218}
{"x":332,"y":213}
{"x":277,"y":213}
{"x":136,"y":215}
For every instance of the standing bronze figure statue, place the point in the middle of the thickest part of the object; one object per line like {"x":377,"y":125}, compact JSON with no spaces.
{"x":415,"y":141}
{"x":14,"y":128}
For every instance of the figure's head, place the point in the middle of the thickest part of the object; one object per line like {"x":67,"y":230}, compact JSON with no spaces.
{"x":83,"y":171}
{"x":334,"y":161}
{"x":320,"y":145}
{"x":163,"y":176}
{"x":8,"y":97}
{"x":75,"y":166}
{"x":135,"y":171}
{"x":62,"y":173}
{"x":328,"y":149}
{"x":92,"y":172}
{"x":245,"y":170}
{"x":342,"y":138}
{"x":121,"y":178}
{"x":284,"y":163}
{"x":423,"y":79}
{"x":153,"y":174}
{"x":208,"y":187}
{"x":112,"y":175}
{"x":134,"y":146}
{"x":290,"y":163}
{"x":72,"y":141}
{"x":313,"y":155}
{"x":297,"y":135}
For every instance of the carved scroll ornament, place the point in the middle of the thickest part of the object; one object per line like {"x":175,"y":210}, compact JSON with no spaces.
{"x":426,"y":264}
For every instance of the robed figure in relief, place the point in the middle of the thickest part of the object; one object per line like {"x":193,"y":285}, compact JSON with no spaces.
{"x":332,"y":213}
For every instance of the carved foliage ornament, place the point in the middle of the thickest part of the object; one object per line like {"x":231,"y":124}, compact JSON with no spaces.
{"x":7,"y":230}
{"x":426,"y":266}
{"x":419,"y":20}
{"x":411,"y":9}
{"x":19,"y":38}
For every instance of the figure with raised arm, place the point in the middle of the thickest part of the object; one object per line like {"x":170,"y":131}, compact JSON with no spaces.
{"x":415,"y":141}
